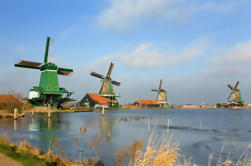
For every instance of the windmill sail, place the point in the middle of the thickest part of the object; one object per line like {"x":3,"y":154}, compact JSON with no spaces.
{"x":51,"y":49}
{"x":64,"y":71}
{"x":107,"y":85}
{"x":97,"y":75}
{"x":28,"y":64}
{"x":110,"y":70}
{"x":116,"y":83}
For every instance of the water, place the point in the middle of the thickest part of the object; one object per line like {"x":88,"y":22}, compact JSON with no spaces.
{"x":198,"y":132}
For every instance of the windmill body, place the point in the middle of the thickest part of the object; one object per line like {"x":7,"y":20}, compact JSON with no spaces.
{"x":48,"y":91}
{"x":235,"y":99}
{"x":162,"y":96}
{"x":106,"y":89}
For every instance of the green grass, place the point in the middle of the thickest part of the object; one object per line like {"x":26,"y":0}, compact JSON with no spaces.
{"x":26,"y":160}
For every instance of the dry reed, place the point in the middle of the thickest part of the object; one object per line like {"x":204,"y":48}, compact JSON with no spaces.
{"x":160,"y":151}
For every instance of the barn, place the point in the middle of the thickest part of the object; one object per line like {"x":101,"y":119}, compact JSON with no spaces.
{"x":94,"y":100}
{"x":146,"y":103}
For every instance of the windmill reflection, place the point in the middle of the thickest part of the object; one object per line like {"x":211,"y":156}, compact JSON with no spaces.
{"x":106,"y":125}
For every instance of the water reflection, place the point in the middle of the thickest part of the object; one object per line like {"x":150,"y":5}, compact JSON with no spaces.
{"x":106,"y":124}
{"x":15,"y":124}
{"x":197,"y":131}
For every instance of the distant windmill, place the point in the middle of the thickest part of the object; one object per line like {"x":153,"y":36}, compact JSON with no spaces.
{"x":162,"y":96}
{"x":106,"y":89}
{"x":48,"y":91}
{"x":235,"y":95}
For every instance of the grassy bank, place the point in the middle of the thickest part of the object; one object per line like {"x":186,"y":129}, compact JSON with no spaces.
{"x":24,"y":159}
{"x":27,"y":155}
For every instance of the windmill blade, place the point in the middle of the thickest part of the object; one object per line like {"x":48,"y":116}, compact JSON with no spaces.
{"x":47,"y":49}
{"x":237,"y":83}
{"x":28,"y":64}
{"x":64,"y":71}
{"x":116,"y":83}
{"x":229,"y":95}
{"x":155,"y":90}
{"x":160,"y":84}
{"x":51,"y":49}
{"x":97,"y":75}
{"x":230,"y":86}
{"x":110,"y":70}
{"x":162,"y":90}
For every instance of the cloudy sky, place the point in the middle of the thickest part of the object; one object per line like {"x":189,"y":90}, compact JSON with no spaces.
{"x":195,"y":46}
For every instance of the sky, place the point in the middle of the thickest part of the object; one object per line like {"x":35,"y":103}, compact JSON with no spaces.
{"x":196,"y":47}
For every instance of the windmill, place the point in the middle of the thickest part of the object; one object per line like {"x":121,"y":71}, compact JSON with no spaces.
{"x":162,"y":97}
{"x":106,"y":89}
{"x":48,"y":91}
{"x":235,"y":96}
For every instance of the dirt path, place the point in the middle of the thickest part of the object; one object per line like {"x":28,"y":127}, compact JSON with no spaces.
{"x":6,"y":161}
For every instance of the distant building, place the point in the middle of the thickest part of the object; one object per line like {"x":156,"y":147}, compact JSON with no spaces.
{"x":94,"y":100}
{"x":221,"y":105}
{"x":146,"y":103}
{"x":9,"y":102}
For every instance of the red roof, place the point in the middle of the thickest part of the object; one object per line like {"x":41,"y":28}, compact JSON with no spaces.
{"x":99,"y":99}
{"x":9,"y":99}
{"x":154,"y":102}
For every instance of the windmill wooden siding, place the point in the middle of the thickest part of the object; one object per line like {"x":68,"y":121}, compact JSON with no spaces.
{"x":146,"y":103}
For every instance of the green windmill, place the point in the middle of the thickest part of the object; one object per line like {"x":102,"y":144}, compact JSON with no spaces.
{"x":48,"y":91}
{"x":235,"y":99}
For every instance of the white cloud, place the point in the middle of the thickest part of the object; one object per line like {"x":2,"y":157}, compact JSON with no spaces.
{"x":239,"y":54}
{"x":148,"y":55}
{"x":126,"y":14}
{"x":189,"y":53}
{"x":144,"y":56}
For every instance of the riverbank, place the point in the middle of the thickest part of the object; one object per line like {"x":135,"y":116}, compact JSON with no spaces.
{"x":9,"y":151}
{"x":26,"y":155}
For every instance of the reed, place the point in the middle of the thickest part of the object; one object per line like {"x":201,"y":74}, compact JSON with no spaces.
{"x":160,"y":154}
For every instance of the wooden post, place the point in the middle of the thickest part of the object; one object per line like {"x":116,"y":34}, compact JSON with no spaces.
{"x":103,"y":110}
{"x":15,"y":113}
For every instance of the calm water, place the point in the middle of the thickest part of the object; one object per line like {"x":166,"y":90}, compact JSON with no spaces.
{"x":199,"y":132}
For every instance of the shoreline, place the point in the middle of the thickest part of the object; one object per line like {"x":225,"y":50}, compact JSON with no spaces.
{"x":4,"y":114}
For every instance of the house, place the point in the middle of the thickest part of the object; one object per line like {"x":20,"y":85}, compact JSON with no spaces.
{"x":9,"y":102}
{"x":146,"y":103}
{"x":94,"y":100}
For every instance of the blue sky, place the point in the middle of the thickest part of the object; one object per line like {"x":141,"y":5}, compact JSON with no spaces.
{"x":195,"y":46}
